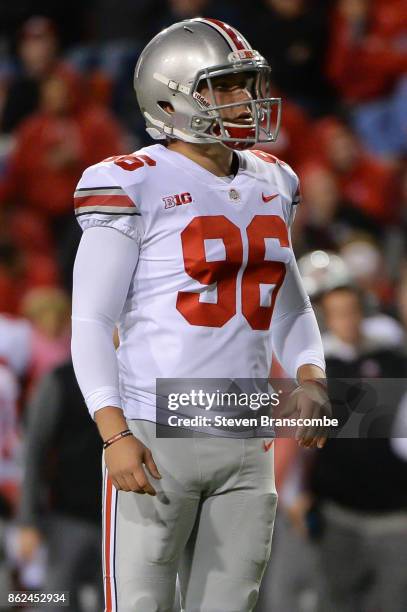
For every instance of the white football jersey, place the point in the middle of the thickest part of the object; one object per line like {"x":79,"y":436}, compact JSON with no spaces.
{"x":213,"y":257}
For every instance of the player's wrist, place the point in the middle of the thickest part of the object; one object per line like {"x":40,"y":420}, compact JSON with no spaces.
{"x":116,"y":438}
{"x":310,"y":372}
{"x":322,"y":383}
{"x":110,"y":421}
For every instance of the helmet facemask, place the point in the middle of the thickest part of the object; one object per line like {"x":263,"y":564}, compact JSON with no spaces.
{"x":212,"y":118}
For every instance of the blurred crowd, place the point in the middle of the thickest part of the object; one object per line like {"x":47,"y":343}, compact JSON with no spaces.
{"x":66,"y":101}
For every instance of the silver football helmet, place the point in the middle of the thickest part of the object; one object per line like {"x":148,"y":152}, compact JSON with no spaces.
{"x":181,"y":59}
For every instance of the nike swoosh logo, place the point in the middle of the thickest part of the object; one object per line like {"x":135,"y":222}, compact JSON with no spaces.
{"x":269,"y":198}
{"x":267,"y":445}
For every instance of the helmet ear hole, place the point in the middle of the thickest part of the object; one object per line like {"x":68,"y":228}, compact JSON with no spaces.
{"x":167,"y":107}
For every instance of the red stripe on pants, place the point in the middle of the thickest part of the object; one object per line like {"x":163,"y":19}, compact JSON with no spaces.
{"x":108,"y":534}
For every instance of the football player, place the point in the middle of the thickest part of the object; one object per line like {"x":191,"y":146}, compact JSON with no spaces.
{"x":186,"y":247}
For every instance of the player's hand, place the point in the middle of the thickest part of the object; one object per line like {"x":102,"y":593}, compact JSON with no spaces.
{"x":28,"y":542}
{"x":309,"y":401}
{"x":126,"y":461}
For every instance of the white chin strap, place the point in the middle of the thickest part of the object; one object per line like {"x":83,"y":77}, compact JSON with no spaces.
{"x":155,"y":134}
{"x":161,"y":131}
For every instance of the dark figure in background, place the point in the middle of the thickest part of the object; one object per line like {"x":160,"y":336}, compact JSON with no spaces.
{"x":133,"y":22}
{"x":292,"y":36}
{"x":38,"y":54}
{"x":53,"y":147}
{"x":216,"y":9}
{"x":359,"y":484}
{"x":327,"y":220}
{"x":61,"y":492}
{"x":364,"y":180}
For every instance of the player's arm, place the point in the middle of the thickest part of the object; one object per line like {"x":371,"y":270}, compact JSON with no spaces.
{"x":296,"y":337}
{"x":103,"y":270}
{"x":298,"y":346}
{"x":105,"y":263}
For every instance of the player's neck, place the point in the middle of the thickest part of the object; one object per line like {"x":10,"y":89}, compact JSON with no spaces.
{"x":213,"y":157}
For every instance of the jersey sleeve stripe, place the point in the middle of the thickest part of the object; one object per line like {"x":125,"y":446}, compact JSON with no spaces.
{"x":105,"y":210}
{"x":101,"y":187}
{"x":87,"y":201}
{"x":88,"y":191}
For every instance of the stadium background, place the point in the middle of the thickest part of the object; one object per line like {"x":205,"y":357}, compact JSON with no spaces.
{"x":66,"y":101}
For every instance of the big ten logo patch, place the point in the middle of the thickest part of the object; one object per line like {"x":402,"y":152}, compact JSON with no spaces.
{"x":177,"y":200}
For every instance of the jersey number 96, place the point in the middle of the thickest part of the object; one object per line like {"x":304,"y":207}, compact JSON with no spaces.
{"x":224,"y":273}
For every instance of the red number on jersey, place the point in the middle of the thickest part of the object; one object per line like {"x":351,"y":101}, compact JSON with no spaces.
{"x":259,"y":271}
{"x":131,"y":162}
{"x":224,"y":272}
{"x":267,"y":157}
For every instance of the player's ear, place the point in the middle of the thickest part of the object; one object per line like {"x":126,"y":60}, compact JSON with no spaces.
{"x":166,"y":106}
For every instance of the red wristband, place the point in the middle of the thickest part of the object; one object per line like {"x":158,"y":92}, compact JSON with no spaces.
{"x":117,"y":437}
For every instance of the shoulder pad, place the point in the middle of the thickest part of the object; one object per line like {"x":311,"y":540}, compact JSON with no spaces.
{"x":124,"y":170}
{"x":284,"y":169}
{"x":108,"y":193}
{"x":112,"y":186}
